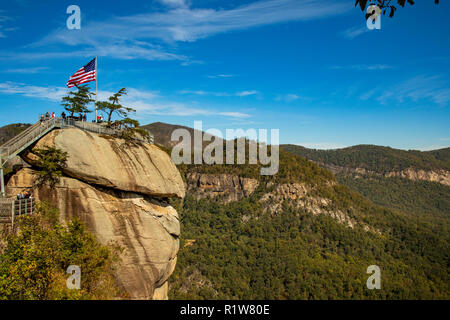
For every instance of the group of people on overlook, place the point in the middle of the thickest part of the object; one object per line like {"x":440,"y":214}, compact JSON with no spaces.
{"x":81,"y":117}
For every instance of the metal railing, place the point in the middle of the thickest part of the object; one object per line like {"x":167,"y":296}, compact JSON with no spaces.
{"x":32,"y":134}
{"x":23,"y":140}
{"x":100,"y":129}
{"x":10,"y":208}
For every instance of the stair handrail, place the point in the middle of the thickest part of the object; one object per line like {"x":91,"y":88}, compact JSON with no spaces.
{"x":42,"y":128}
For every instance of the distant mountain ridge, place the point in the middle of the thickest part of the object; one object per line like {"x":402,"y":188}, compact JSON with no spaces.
{"x":11,"y":130}
{"x":378,"y":159}
{"x":433,"y":166}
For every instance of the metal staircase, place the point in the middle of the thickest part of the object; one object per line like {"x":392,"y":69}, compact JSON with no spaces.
{"x":22,"y":141}
{"x":26,"y":138}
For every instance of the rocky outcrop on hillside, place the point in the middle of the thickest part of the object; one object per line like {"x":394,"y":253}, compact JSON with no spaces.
{"x":439,"y":176}
{"x":299,"y":195}
{"x":119,"y":189}
{"x":229,"y":187}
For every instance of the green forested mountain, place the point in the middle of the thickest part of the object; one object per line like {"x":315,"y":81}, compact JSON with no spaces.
{"x":11,"y":130}
{"x":376,"y":158}
{"x":297,"y":255}
{"x":163,"y":131}
{"x":240,"y":250}
{"x":243,"y":252}
{"x":414,"y":197}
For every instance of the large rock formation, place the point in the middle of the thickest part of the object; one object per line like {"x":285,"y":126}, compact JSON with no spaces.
{"x":119,"y":189}
{"x":113,"y":163}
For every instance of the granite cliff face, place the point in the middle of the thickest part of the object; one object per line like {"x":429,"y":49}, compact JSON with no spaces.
{"x":230,"y":187}
{"x":439,"y":176}
{"x":120,"y":190}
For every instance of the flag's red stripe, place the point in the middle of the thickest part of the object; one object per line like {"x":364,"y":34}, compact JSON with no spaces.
{"x":81,"y":70}
{"x":81,"y":75}
{"x":78,"y":82}
{"x":86,"y":79}
{"x":90,"y":75}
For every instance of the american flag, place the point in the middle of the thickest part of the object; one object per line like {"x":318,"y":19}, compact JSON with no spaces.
{"x":83,"y":75}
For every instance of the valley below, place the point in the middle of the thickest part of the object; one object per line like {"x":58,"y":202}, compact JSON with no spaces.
{"x":226,"y":232}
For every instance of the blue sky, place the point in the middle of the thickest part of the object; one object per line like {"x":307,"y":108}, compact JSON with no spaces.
{"x":307,"y":67}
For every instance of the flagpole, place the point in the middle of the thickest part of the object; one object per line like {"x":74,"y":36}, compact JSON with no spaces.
{"x":96,"y":97}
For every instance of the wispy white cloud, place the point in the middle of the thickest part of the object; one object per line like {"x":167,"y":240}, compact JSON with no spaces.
{"x":116,"y":37}
{"x":422,"y":87}
{"x":25,"y":70}
{"x":220,"y":76}
{"x":166,"y":108}
{"x":433,"y":147}
{"x":175,"y":3}
{"x":368,"y":94}
{"x":290,"y":97}
{"x":322,"y":145}
{"x":363,"y":67}
{"x":247,"y":93}
{"x":5,"y":17}
{"x":220,"y":94}
{"x":186,"y":24}
{"x":235,"y":114}
{"x":145,"y":102}
{"x":50,"y":92}
{"x":353,"y":32}
{"x":125,"y":50}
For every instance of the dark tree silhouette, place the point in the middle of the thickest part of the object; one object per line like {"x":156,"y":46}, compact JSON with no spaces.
{"x":77,"y":101}
{"x":113,"y":106}
{"x":384,"y":5}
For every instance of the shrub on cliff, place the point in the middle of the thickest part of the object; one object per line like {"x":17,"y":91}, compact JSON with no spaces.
{"x":131,"y":129}
{"x":34,"y":260}
{"x":51,"y":163}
